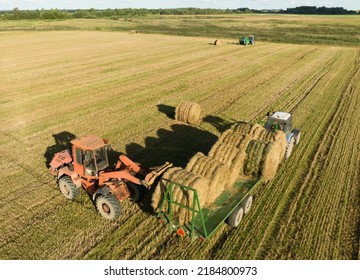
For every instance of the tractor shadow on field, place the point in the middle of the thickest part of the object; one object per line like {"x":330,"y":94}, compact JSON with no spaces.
{"x":169,"y":111}
{"x":176,"y":145}
{"x":62,"y":142}
{"x":219,"y":123}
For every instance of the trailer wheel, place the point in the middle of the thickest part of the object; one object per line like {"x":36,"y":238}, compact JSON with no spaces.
{"x":289,"y":148}
{"x":68,"y":188}
{"x":235,"y":217}
{"x":247,"y":202}
{"x":134,"y":192}
{"x":108,"y":206}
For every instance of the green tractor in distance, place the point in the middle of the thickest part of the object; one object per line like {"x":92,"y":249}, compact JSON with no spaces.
{"x":247,"y":40}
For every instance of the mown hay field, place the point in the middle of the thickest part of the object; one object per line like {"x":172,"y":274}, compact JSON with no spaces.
{"x":340,"y":30}
{"x":125,"y":87}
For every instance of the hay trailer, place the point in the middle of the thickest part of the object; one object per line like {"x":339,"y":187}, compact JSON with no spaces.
{"x":230,"y":207}
{"x":283,"y":121}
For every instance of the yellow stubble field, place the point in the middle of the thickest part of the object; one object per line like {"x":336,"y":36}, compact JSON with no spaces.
{"x":124,"y":87}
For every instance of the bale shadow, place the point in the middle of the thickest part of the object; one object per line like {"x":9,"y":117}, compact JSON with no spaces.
{"x":219,"y":123}
{"x":62,"y":142}
{"x":169,"y":111}
{"x":176,"y":145}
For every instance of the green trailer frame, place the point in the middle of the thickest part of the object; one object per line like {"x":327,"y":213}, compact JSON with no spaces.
{"x":204,"y":221}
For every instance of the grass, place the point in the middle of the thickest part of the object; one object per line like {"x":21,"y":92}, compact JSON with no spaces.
{"x":298,"y":29}
{"x":124,"y":87}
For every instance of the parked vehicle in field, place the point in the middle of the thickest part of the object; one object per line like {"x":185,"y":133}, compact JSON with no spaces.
{"x":86,"y":166}
{"x":283,"y":121}
{"x":250,"y":40}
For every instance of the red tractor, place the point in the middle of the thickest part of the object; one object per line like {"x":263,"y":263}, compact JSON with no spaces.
{"x":86,"y":166}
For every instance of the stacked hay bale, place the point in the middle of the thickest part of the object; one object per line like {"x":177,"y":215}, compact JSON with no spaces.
{"x":230,"y":156}
{"x":189,"y":112}
{"x":253,"y":130}
{"x":257,"y":132}
{"x":278,"y":137}
{"x":211,"y":169}
{"x":186,"y":178}
{"x":262,"y":159}
{"x":244,"y":150}
{"x":234,"y":139}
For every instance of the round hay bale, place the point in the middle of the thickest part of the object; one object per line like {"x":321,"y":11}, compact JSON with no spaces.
{"x":160,"y":188}
{"x":271,"y":160}
{"x":189,"y":112}
{"x":256,"y":130}
{"x":212,"y":170}
{"x":278,"y":137}
{"x":254,"y":156}
{"x":218,"y":42}
{"x":241,"y":127}
{"x":231,"y":157}
{"x":234,"y":139}
{"x":262,"y":159}
{"x":180,"y":195}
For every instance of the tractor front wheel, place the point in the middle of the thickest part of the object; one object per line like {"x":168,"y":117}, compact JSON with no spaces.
{"x":108,"y":206}
{"x":134,"y":192}
{"x":68,"y":188}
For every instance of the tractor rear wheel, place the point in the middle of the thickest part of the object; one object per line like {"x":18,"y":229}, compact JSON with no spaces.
{"x":68,"y":188}
{"x":134,"y":192}
{"x":247,"y":202}
{"x":235,"y":217}
{"x":297,"y":136}
{"x":289,"y":148}
{"x":108,"y":206}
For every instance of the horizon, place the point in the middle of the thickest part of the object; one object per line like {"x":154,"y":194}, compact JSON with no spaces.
{"x":175,"y":4}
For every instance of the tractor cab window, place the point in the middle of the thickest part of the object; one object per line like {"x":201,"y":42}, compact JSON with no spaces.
{"x":78,"y":154}
{"x":275,"y":125}
{"x":272,"y":125}
{"x":101,"y":158}
{"x":89,"y":163}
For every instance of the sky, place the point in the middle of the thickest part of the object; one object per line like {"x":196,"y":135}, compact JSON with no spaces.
{"x":216,"y":4}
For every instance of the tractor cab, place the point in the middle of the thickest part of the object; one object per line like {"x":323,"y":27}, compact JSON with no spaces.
{"x":279,"y":121}
{"x":89,"y":155}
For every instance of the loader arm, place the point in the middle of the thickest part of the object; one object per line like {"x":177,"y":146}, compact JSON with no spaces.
{"x":150,"y":174}
{"x":120,"y":175}
{"x":156,"y":172}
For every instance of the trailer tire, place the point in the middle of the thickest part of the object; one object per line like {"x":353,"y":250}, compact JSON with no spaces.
{"x":134,"y":192}
{"x":108,"y":206}
{"x":235,"y":217}
{"x":246,"y":203}
{"x":68,"y":188}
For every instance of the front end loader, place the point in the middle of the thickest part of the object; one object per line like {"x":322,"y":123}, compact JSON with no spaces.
{"x":86,"y":166}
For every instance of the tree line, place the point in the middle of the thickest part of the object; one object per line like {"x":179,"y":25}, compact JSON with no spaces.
{"x":313,"y":10}
{"x":17,"y":14}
